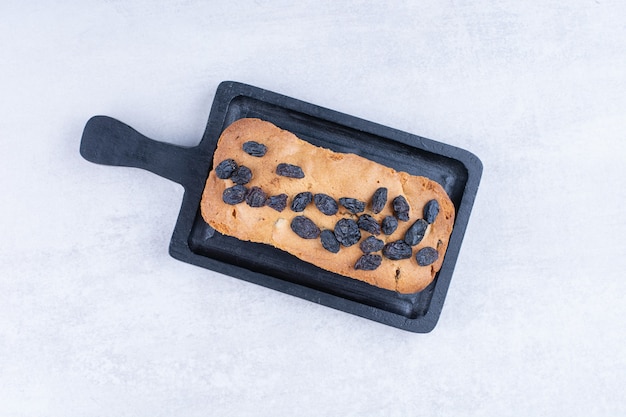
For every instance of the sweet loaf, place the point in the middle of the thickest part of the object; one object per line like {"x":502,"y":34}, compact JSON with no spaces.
{"x":341,"y":212}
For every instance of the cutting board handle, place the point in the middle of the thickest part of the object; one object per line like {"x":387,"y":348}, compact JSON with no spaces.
{"x":108,"y":141}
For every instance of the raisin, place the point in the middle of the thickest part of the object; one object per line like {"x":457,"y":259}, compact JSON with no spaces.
{"x":301,"y":200}
{"x":304,"y":227}
{"x":277,"y":202}
{"x":397,"y":250}
{"x":242,"y":175}
{"x":352,"y":204}
{"x":225,"y":169}
{"x":426,"y":256}
{"x":379,"y":199}
{"x":401,"y":208}
{"x":369,"y":224}
{"x":371,"y":244}
{"x":347,"y":232}
{"x":326,"y":204}
{"x":256,"y":197}
{"x":368,"y":262}
{"x":389,"y":225}
{"x":234,"y":195}
{"x":416,"y":232}
{"x":254,"y":148}
{"x":288,"y":170}
{"x":329,"y":241}
{"x":431,"y":210}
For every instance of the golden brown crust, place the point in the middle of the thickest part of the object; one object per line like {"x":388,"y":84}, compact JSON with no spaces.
{"x":338,"y":175}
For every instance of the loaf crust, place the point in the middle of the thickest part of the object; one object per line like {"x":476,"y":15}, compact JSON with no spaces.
{"x":335,"y":174}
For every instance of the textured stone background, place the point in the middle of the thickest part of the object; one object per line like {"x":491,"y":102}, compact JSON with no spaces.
{"x":97,"y":320}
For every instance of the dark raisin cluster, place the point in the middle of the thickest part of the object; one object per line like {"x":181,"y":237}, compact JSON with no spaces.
{"x":347,"y":231}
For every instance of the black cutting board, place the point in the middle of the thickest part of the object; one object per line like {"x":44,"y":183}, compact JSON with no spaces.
{"x":108,"y":141}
